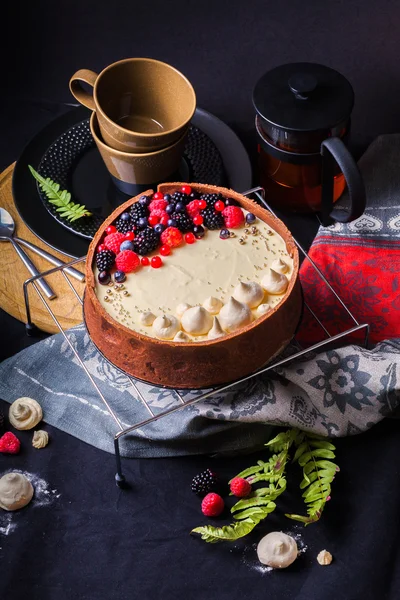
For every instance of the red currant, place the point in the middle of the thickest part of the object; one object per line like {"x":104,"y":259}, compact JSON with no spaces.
{"x":164,"y":220}
{"x":198,"y":220}
{"x":153,"y":220}
{"x":158,"y":196}
{"x":189,"y":238}
{"x":165,"y":250}
{"x":130,"y":236}
{"x":101,"y":248}
{"x":145,"y":261}
{"x":156,"y":262}
{"x":219,"y":206}
{"x":186,"y":189}
{"x":202,"y":204}
{"x":111,"y":229}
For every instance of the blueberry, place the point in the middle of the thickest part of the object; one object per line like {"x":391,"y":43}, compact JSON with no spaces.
{"x":193,"y":196}
{"x":104,"y":277}
{"x":159,"y":228}
{"x":144,"y":200}
{"x":126,"y":245}
{"x":172,"y":223}
{"x":198,"y":231}
{"x":142,"y":223}
{"x":119,"y":276}
{"x":250,"y":218}
{"x":224,"y":234}
{"x":167,"y":197}
{"x":180,"y":207}
{"x":170,"y":209}
{"x":125,"y":216}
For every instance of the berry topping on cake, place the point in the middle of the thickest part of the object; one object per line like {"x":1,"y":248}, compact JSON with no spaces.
{"x":153,"y":220}
{"x":127,"y":261}
{"x":158,"y":196}
{"x":124,"y":223}
{"x":165,"y":250}
{"x":105,"y":260}
{"x":9,"y":443}
{"x":240,"y":487}
{"x":211,"y":199}
{"x":111,"y":229}
{"x":130,"y":236}
{"x":156,"y":262}
{"x":250,"y":217}
{"x":180,"y":197}
{"x":224,"y":234}
{"x":204,"y":482}
{"x":198,"y":231}
{"x":159,"y":228}
{"x":190,"y":238}
{"x":104,"y":277}
{"x":138,"y":211}
{"x":233,"y":216}
{"x":186,"y":189}
{"x":157,"y":205}
{"x":126,"y":245}
{"x":119,"y":276}
{"x":145,"y":261}
{"x":172,"y":237}
{"x":146,"y":241}
{"x":144,"y":200}
{"x":198,"y":220}
{"x":219,"y":206}
{"x":193,"y":208}
{"x":113,"y":241}
{"x":212,"y":219}
{"x":182,"y":221}
{"x":212,"y":505}
{"x":101,"y":247}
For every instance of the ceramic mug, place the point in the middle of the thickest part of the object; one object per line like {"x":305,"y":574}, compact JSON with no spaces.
{"x":142,"y":104}
{"x":133,"y":173}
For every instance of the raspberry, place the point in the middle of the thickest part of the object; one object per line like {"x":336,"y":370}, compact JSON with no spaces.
{"x":158,"y":212}
{"x":127,"y":261}
{"x":9,"y":443}
{"x":113,"y":241}
{"x":172,"y":237}
{"x":233,"y":216}
{"x":212,"y":505}
{"x":193,"y":208}
{"x":240,"y":487}
{"x":157,"y":205}
{"x":204,"y":482}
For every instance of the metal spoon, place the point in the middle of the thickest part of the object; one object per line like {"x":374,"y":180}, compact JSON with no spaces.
{"x":7,"y":227}
{"x":6,"y":217}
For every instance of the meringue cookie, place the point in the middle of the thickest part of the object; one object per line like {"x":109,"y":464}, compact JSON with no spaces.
{"x":234,"y":315}
{"x":250,"y":293}
{"x":213,"y":305}
{"x":197,"y":320}
{"x":16,"y":491}
{"x":280,"y":266}
{"x":25,"y":413}
{"x":262,"y":309}
{"x":165,"y":327}
{"x":277,"y":550}
{"x":216,"y":330}
{"x":275,"y":283}
{"x":181,"y":336}
{"x":40,"y":439}
{"x":180,"y":309}
{"x":147,"y":318}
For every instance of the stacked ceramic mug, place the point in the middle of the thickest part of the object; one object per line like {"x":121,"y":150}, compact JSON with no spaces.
{"x":141,"y":115}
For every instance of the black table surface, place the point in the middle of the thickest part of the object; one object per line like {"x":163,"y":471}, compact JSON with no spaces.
{"x":99,"y":542}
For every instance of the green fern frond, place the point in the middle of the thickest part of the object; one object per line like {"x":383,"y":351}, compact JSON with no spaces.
{"x":67,"y":209}
{"x":317,"y":475}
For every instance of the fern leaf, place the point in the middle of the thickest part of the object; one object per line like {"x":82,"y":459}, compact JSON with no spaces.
{"x":67,"y":209}
{"x":227,"y":533}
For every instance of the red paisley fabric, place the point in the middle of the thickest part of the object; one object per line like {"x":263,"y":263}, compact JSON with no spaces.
{"x":361,"y":260}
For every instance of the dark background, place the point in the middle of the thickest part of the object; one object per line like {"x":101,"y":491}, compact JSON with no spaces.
{"x":98,"y":542}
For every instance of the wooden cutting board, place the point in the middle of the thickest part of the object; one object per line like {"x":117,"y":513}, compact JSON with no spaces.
{"x":13,"y":273}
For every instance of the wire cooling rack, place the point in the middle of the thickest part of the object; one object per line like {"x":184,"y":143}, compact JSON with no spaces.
{"x":178,"y":402}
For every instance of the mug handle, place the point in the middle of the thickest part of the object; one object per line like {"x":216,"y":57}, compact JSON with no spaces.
{"x":334,"y":150}
{"x":84,"y":97}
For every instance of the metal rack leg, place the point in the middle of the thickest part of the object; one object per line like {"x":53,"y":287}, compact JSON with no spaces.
{"x":119,"y":476}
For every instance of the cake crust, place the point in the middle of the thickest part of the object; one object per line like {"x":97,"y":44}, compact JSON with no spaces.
{"x":195,"y":364}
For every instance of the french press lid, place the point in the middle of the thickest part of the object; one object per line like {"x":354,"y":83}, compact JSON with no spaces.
{"x":303,"y":97}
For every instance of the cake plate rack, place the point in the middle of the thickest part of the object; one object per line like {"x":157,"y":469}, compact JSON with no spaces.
{"x":179,"y":400}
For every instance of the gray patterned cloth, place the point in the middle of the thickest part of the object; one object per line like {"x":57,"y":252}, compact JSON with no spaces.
{"x":336,"y":393}
{"x":343,"y":391}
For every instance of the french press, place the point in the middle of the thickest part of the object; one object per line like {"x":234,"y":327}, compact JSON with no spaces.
{"x":303,"y":125}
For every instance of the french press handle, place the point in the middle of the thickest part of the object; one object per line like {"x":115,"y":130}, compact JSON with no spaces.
{"x":333,"y":150}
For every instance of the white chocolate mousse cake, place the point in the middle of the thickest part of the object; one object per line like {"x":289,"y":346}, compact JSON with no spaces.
{"x":191,"y":286}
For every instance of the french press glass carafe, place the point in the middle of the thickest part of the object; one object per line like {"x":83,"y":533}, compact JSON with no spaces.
{"x":303,"y":125}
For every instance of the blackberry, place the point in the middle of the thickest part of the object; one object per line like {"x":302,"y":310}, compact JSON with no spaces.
{"x":124,"y":225}
{"x":183,"y":221}
{"x":204,"y":482}
{"x":105,"y":260}
{"x":138,"y":211}
{"x":180,"y":197}
{"x":211,"y":199}
{"x":212,"y":219}
{"x":146,"y":241}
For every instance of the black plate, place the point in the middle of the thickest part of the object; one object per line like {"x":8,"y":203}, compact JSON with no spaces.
{"x":90,"y":183}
